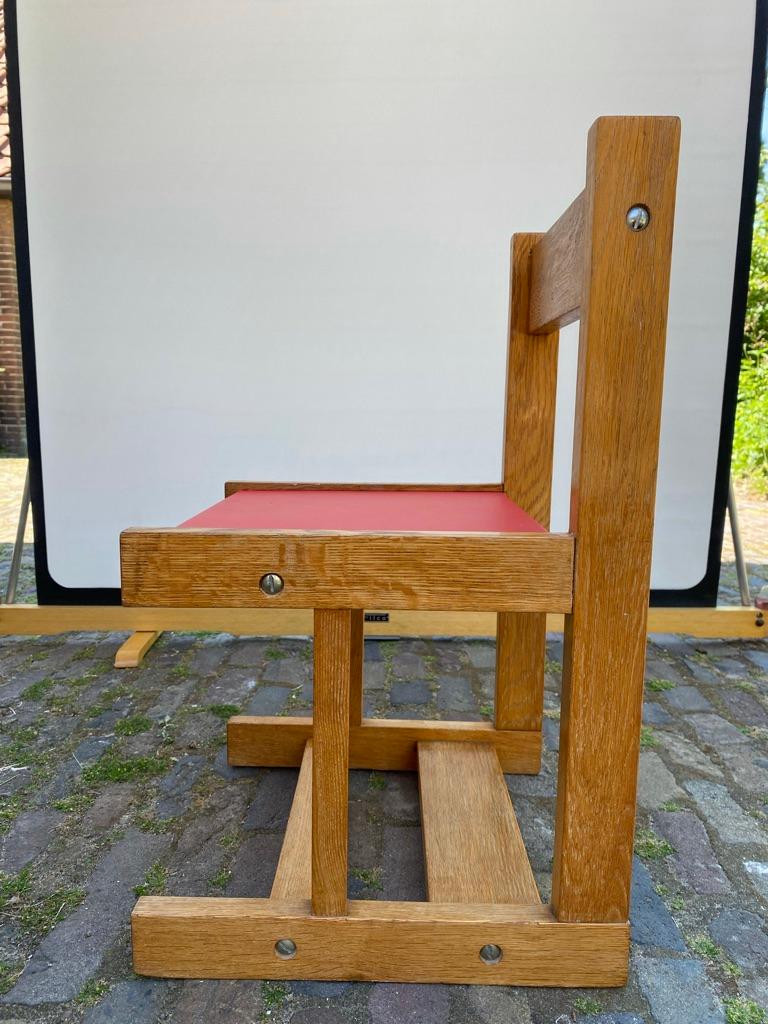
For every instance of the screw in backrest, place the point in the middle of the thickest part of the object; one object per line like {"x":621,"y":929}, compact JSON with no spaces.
{"x":638,"y":217}
{"x":271,"y":584}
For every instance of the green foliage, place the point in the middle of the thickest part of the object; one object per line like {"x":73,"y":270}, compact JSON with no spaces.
{"x":14,"y":886}
{"x":587,"y":1006}
{"x":154,"y":882}
{"x":92,"y":991}
{"x":224,"y":710}
{"x":647,"y":738}
{"x":133,"y":725}
{"x":273,"y":994}
{"x":370,"y":877}
{"x":658,"y":685}
{"x":111,"y":768}
{"x":38,"y":690}
{"x":649,"y":846}
{"x":750,"y":441}
{"x":744,"y":1011}
{"x":377,"y":782}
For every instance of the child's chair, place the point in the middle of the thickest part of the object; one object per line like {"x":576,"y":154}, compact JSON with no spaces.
{"x":342,"y":548}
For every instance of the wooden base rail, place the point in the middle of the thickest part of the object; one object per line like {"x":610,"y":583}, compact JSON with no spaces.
{"x":484,"y":922}
{"x":179,"y":937}
{"x":42,"y":620}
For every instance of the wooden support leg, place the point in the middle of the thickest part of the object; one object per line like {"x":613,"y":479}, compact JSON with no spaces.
{"x":520,"y":650}
{"x":330,"y":768}
{"x":357,"y":654}
{"x":131,"y":653}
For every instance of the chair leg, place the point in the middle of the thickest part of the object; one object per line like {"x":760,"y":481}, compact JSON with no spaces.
{"x":330,"y":762}
{"x":520,"y":653}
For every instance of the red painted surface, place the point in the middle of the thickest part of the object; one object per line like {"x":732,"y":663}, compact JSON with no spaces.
{"x":368,"y":511}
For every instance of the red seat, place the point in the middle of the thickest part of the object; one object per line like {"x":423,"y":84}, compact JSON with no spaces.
{"x":367,"y":511}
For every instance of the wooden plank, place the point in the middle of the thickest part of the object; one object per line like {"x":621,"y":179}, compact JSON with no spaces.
{"x":557,"y":272}
{"x":618,"y":407}
{"x":233,"y":486}
{"x":499,"y":572}
{"x":293,"y":877}
{"x":473,"y":849}
{"x":520,"y":658}
{"x":357,"y":654}
{"x":177,"y":937}
{"x":330,"y":761}
{"x":378,"y":744}
{"x":131,"y":652}
{"x":529,"y":431}
{"x":46,"y":620}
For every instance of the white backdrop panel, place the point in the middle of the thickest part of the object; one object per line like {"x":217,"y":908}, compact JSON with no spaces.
{"x":269,"y":240}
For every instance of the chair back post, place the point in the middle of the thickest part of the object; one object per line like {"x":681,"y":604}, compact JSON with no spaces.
{"x":625,"y":270}
{"x":529,"y":428}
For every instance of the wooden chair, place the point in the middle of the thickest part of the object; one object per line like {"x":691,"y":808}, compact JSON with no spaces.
{"x":341,"y":548}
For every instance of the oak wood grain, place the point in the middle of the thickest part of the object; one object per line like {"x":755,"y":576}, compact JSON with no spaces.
{"x":377,"y":941}
{"x":618,"y":406}
{"x":473,"y":849}
{"x":330,"y":760}
{"x":482,"y":572}
{"x":557,"y":272}
{"x":378,"y":744}
{"x":293,"y":876}
{"x":232,"y":486}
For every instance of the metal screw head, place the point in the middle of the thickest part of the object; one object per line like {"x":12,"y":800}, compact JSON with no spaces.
{"x":491,"y":954}
{"x":638,"y":217}
{"x":271,"y":584}
{"x":285,"y":949}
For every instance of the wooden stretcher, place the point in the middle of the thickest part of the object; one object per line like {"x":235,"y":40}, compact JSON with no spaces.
{"x":339,"y":549}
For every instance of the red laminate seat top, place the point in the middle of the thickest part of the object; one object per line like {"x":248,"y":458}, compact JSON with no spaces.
{"x":367,"y":512}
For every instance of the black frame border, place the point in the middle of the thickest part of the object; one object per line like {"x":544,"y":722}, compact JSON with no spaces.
{"x":703,"y":594}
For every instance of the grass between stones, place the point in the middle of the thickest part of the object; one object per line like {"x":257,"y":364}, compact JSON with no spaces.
{"x":377,"y":782}
{"x":744,"y":1011}
{"x":36,"y":914}
{"x":659,"y":685}
{"x":111,"y":768}
{"x":133,"y":725}
{"x":154,"y":882}
{"x":273,"y":995}
{"x":648,"y":738}
{"x":223,"y":710}
{"x":370,"y":877}
{"x":586,"y":1005}
{"x":649,"y":846}
{"x":92,"y":991}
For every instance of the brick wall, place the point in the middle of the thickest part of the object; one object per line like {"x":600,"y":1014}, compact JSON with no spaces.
{"x":12,"y":426}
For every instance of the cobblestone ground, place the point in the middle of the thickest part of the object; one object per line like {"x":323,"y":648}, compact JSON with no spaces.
{"x":115,"y":782}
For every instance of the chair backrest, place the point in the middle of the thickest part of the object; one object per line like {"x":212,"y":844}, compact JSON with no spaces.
{"x":606,"y":261}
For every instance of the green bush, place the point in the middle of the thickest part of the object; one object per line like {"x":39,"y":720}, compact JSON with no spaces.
{"x":750,"y":439}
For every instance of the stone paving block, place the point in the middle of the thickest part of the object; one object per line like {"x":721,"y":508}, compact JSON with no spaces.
{"x":364,"y":837}
{"x":455,"y":694}
{"x":13,"y":778}
{"x":688,"y":755}
{"x":403,"y":864}
{"x":687,"y":698}
{"x":272,"y":803}
{"x":654,"y":714}
{"x":747,"y":768}
{"x":171,"y":699}
{"x":74,"y":950}
{"x":609,"y":1018}
{"x":732,"y":824}
{"x":374,"y":674}
{"x":267,"y":700}
{"x":482,"y":654}
{"x":212,"y":655}
{"x":319,"y":989}
{"x":715,"y":731}
{"x":742,"y":935}
{"x":218,"y":1002}
{"x":537,"y":830}
{"x":109,"y":807}
{"x":231,"y":772}
{"x":29,"y":835}
{"x":758,"y":875}
{"x":656,"y":783}
{"x":291,"y":671}
{"x":199,"y":854}
{"x":678,"y":991}
{"x":319,"y":1015}
{"x":491,"y":1004}
{"x":550,"y":729}
{"x":174,"y":788}
{"x":407,"y":665}
{"x":701,"y":671}
{"x":254,"y":866}
{"x":543,"y":784}
{"x":416,"y":692}
{"x":758,"y":656}
{"x":129,"y":1002}
{"x":372,"y":651}
{"x":745,"y":708}
{"x":247,"y":651}
{"x":408,"y":1004}
{"x":694,"y":861}
{"x":400,"y":796}
{"x":90,"y":750}
{"x":651,"y":922}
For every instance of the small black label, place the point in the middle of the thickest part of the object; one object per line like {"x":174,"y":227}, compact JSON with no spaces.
{"x":377,"y":616}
